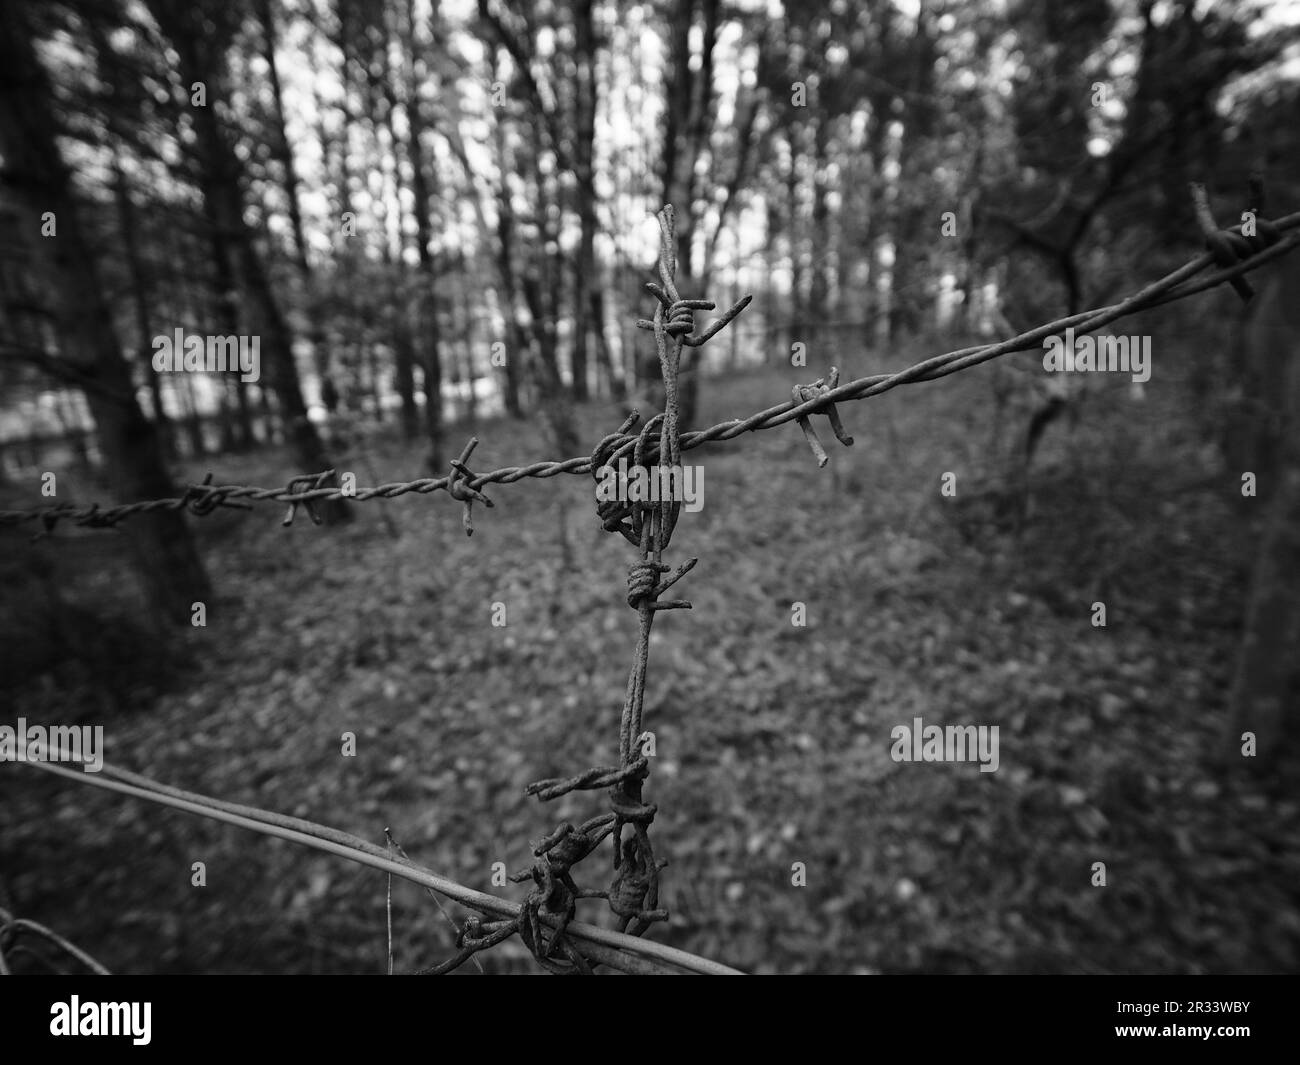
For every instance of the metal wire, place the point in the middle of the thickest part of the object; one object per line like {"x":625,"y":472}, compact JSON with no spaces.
{"x":633,"y":893}
{"x":10,"y":930}
{"x":613,"y":949}
{"x":201,"y":499}
{"x":545,"y":921}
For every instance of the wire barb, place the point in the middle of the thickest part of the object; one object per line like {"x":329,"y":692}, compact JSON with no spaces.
{"x":1226,"y":246}
{"x":459,"y":487}
{"x":313,"y":481}
{"x":819,"y":388}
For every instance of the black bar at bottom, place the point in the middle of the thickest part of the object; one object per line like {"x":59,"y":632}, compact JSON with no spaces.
{"x":1233,"y":1018}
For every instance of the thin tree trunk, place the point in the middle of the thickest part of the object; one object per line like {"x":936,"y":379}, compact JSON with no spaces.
{"x":140,"y":304}
{"x":1267,"y":677}
{"x":221,"y":184}
{"x":544,"y":307}
{"x":226,"y":298}
{"x":399,"y":318}
{"x":404,"y":366}
{"x":517,"y":351}
{"x":1264,"y":685}
{"x":284,"y":151}
{"x":193,"y":419}
{"x":689,"y":103}
{"x":421,"y":185}
{"x":584,"y":147}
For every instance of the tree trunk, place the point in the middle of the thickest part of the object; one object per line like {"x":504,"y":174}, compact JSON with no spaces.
{"x":518,"y":352}
{"x":516,"y":357}
{"x":689,"y":108}
{"x":399,"y":318}
{"x":586,"y":284}
{"x":1264,"y":686}
{"x":222,"y":185}
{"x":1266,"y":675}
{"x":165,"y":556}
{"x":285,"y":154}
{"x":219,"y":179}
{"x":551,"y":394}
{"x":224,"y":295}
{"x":140,"y":304}
{"x":404,"y":366}
{"x":428,"y":303}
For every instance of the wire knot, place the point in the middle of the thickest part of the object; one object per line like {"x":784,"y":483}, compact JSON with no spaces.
{"x":202,"y":499}
{"x":635,"y":878}
{"x":555,"y":892}
{"x":1227,"y":246}
{"x":305,"y":482}
{"x":623,"y":516}
{"x":642,"y":580}
{"x":680,"y":317}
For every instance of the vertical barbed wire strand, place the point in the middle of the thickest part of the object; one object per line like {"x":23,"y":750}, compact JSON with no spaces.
{"x":633,"y":893}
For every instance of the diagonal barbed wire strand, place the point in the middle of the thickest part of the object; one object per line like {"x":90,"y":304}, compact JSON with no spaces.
{"x":605,"y":945}
{"x":12,"y":927}
{"x":203,"y":498}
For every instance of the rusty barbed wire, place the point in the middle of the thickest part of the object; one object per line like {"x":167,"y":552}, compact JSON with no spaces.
{"x":544,"y":917}
{"x":201,"y":499}
{"x":633,"y":892}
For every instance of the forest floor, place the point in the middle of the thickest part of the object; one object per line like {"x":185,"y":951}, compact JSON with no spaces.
{"x":773,"y":740}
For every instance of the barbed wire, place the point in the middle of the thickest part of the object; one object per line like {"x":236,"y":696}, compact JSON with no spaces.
{"x":545,"y":920}
{"x":633,"y":892}
{"x":462,"y":484}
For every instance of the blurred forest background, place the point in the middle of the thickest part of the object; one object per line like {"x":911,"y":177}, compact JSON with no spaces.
{"x":438,"y":218}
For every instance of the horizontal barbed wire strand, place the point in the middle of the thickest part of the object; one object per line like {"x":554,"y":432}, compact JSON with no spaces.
{"x":207,"y":497}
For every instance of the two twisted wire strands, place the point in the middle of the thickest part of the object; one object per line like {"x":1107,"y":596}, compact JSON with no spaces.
{"x":203,"y":498}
